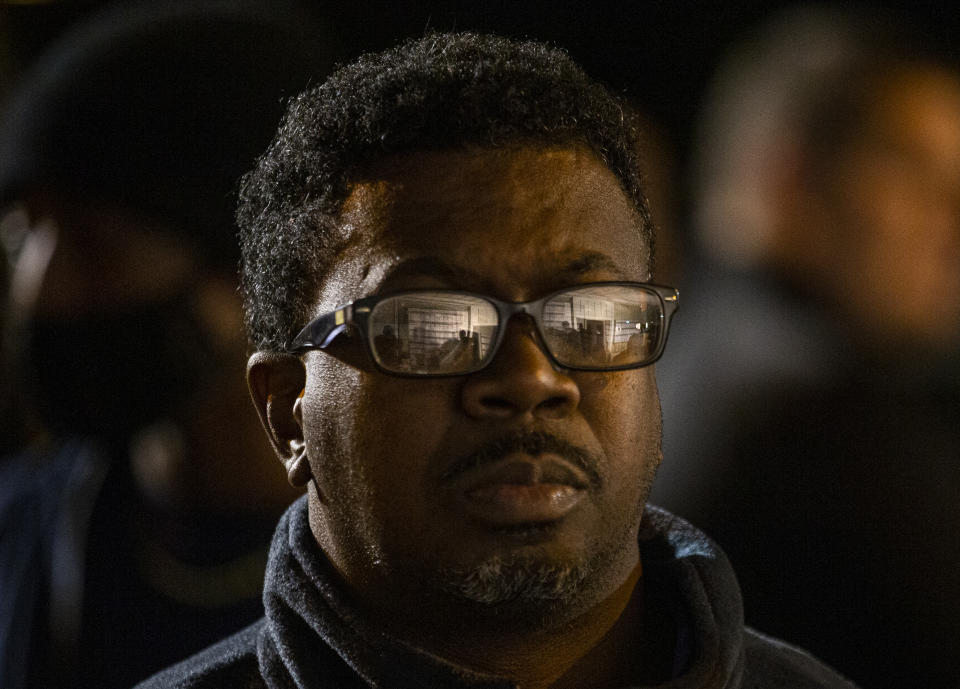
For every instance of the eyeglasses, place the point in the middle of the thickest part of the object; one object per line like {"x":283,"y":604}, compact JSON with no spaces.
{"x":600,"y":326}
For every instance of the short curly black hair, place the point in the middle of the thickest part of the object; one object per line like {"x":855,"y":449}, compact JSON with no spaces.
{"x":439,"y":92}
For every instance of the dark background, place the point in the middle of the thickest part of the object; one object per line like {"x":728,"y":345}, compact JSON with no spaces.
{"x":659,"y":53}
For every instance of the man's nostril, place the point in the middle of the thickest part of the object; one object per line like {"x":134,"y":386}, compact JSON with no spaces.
{"x":493,"y":402}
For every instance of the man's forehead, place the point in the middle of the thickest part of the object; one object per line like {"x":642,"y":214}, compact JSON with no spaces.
{"x":559,"y":204}
{"x":508,"y":175}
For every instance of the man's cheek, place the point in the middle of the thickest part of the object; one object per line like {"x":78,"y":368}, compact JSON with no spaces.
{"x":401,"y":430}
{"x":592,"y":386}
{"x":622,"y":399}
{"x":625,"y":416}
{"x":329,"y":417}
{"x":387,"y":401}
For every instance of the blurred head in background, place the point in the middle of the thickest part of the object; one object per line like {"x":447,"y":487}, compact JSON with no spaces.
{"x":830,"y":156}
{"x":119,"y":154}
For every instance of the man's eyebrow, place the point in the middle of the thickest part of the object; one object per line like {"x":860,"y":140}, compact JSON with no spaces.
{"x":590,"y":262}
{"x":430,"y":266}
{"x":434,"y":266}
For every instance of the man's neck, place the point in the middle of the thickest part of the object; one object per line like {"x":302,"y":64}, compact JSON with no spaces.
{"x":638,"y":649}
{"x":612,"y":644}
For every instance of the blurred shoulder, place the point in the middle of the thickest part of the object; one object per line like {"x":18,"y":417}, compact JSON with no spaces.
{"x":229,"y":663}
{"x":773,"y":664}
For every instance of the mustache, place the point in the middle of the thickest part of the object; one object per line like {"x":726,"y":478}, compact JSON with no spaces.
{"x":532,"y":443}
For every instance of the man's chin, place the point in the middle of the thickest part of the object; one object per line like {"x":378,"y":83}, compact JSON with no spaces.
{"x":542,"y":574}
{"x":517,"y":580}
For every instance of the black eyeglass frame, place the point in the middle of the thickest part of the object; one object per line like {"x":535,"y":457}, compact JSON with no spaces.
{"x":323,"y":330}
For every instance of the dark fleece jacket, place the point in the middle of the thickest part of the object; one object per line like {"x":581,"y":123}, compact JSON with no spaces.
{"x":312,"y":638}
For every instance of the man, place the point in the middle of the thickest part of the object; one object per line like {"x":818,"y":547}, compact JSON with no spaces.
{"x":477,"y":523}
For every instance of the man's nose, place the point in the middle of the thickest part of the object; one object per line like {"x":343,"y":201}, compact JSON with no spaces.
{"x":521,"y":380}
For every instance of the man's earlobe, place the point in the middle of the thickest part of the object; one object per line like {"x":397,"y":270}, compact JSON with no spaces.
{"x":276,"y":383}
{"x":297,"y":464}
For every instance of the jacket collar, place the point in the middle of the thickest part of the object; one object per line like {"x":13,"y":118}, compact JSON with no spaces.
{"x":314,"y":634}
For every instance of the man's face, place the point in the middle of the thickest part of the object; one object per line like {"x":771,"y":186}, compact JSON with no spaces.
{"x":521,"y":482}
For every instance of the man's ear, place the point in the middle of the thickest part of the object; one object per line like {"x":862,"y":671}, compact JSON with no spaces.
{"x":276,"y":383}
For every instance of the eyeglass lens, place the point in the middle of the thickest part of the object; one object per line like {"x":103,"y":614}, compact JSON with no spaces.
{"x":442,"y":332}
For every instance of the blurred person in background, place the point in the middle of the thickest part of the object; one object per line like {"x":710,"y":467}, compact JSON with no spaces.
{"x":816,"y":386}
{"x":8,"y":428}
{"x":129,"y":533}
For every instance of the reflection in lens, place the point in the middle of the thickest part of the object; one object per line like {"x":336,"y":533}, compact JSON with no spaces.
{"x":432,"y":332}
{"x":445,"y":332}
{"x":602,"y":325}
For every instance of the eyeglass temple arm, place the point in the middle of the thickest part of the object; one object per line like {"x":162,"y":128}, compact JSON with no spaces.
{"x":319,"y":333}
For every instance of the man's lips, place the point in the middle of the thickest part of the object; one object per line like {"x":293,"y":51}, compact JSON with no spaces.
{"x":521,"y":489}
